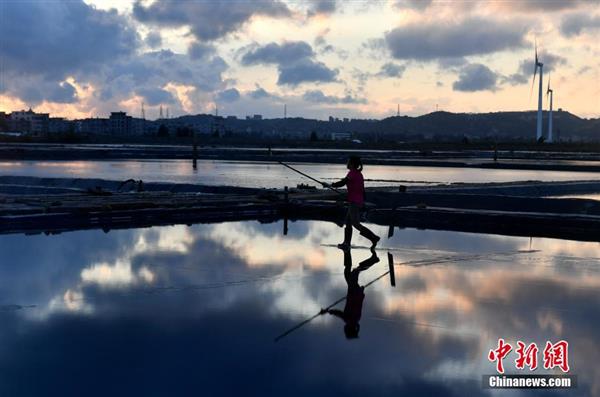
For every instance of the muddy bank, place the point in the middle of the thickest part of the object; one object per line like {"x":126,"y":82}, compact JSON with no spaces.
{"x":55,"y":205}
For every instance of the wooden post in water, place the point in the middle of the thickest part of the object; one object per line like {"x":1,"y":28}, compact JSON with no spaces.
{"x":391,"y":269}
{"x":194,"y":151}
{"x":286,"y":199}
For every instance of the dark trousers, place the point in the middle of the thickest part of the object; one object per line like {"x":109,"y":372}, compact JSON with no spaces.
{"x":353,"y":219}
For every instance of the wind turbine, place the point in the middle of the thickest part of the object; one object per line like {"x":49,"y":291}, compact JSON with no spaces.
{"x":537,"y":65}
{"x":550,"y":93}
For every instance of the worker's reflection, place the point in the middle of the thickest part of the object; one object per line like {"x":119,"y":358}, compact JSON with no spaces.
{"x":355,"y":296}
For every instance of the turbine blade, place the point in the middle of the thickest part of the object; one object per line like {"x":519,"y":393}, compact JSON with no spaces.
{"x":532,"y":83}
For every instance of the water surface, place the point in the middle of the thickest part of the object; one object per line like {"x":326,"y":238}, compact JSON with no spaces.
{"x":270,"y":175}
{"x":195,"y":311}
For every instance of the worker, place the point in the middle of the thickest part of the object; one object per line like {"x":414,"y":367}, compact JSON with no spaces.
{"x":356,"y":200}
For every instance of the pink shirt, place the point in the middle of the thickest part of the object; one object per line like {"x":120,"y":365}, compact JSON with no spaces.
{"x":356,"y":187}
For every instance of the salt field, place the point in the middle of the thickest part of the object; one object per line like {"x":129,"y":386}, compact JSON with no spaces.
{"x":166,"y":310}
{"x":271,"y":175}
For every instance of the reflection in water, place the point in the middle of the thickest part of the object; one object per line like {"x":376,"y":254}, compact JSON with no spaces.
{"x":355,"y":295}
{"x":194,"y":310}
{"x":270,"y":175}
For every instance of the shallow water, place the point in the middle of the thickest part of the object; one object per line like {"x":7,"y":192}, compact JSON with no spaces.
{"x":272,"y":175}
{"x":195,"y":311}
{"x":591,"y":196}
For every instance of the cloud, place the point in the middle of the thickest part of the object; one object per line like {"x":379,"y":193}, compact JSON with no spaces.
{"x":516,"y":79}
{"x":200,"y":50}
{"x":322,"y":7}
{"x":63,"y":93}
{"x":294,"y":60}
{"x":153,"y":40}
{"x":155,"y":96}
{"x":228,"y":95}
{"x":259,"y":93}
{"x":185,"y":80}
{"x":474,"y":36}
{"x":575,"y":24}
{"x":525,"y":71}
{"x":56,"y":40}
{"x":391,"y":69}
{"x":159,"y":68}
{"x":541,"y":5}
{"x":273,"y":53}
{"x":207,"y":20}
{"x":476,"y":77}
{"x":306,"y":70}
{"x":414,"y":4}
{"x":35,"y":90}
{"x":318,"y":96}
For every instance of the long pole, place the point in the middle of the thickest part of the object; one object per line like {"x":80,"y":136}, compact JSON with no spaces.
{"x":309,"y":177}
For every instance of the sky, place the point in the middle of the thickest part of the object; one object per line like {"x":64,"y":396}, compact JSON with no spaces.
{"x":320,"y":58}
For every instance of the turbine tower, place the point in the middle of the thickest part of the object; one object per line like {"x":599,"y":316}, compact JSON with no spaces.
{"x":549,"y":95}
{"x":540,"y":65}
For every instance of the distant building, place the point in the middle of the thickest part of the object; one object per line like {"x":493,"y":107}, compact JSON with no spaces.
{"x":346,"y":120}
{"x":139,"y":126}
{"x":257,"y":117}
{"x":30,"y":122}
{"x":4,"y":121}
{"x":58,"y":125}
{"x":96,"y":126}
{"x":120,"y":123}
{"x":331,"y":119}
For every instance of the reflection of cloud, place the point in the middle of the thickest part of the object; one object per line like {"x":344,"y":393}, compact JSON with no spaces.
{"x":244,"y":282}
{"x":72,"y":301}
{"x":118,"y":275}
{"x":259,"y":250}
{"x":175,"y":238}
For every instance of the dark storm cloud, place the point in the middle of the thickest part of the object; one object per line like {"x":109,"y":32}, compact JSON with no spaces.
{"x":318,"y":96}
{"x":228,"y":95}
{"x":575,"y":24}
{"x":285,"y":53}
{"x":156,"y":96}
{"x":475,"y":36}
{"x":391,"y":69}
{"x":476,"y":77}
{"x":57,"y":39}
{"x":295,"y":62}
{"x":208,"y":20}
